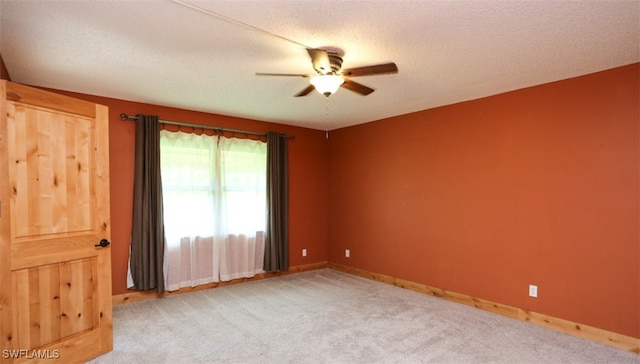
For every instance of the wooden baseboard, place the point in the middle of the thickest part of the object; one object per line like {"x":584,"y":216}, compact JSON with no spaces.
{"x":135,"y":296}
{"x":572,"y":328}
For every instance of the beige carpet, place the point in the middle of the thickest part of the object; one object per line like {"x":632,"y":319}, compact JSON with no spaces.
{"x":327,"y":316}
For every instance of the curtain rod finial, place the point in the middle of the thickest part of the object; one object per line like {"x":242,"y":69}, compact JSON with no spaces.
{"x":124,"y":116}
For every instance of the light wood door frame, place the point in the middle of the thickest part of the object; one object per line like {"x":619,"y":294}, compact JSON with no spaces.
{"x":55,"y":283}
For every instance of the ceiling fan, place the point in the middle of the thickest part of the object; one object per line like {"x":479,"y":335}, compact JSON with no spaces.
{"x":329,"y":77}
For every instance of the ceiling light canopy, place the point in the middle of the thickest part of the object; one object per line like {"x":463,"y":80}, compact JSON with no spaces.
{"x":327,"y":84}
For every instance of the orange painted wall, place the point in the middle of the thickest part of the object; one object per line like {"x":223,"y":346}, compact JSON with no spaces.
{"x":308,"y":179}
{"x":536,"y":186}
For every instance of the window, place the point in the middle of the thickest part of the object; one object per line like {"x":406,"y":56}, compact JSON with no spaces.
{"x":214,"y":199}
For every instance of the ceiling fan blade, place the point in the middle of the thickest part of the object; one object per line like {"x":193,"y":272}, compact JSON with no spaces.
{"x":283,"y":74}
{"x":306,"y":91}
{"x":357,"y":87}
{"x":377,"y":69}
{"x":320,"y":60}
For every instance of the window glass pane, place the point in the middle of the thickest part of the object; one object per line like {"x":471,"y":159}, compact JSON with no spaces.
{"x":212,"y":185}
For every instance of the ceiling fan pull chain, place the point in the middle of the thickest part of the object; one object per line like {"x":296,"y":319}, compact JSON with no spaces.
{"x":327,"y":119}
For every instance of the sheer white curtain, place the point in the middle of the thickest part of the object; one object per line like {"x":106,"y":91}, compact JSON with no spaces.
{"x":214,"y":195}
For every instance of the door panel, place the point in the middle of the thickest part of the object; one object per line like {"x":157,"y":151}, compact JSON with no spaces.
{"x":55,"y":283}
{"x":52,"y":160}
{"x":53,"y":301}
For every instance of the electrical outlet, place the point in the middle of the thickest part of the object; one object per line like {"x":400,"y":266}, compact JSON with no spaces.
{"x":347,"y":253}
{"x":304,"y":252}
{"x":533,"y":291}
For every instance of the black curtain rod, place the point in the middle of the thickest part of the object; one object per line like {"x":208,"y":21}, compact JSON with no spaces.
{"x":124,"y":116}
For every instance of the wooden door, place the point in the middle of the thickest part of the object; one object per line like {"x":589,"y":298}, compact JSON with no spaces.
{"x":55,"y":283}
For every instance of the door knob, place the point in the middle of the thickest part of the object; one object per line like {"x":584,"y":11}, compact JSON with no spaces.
{"x":102,"y":243}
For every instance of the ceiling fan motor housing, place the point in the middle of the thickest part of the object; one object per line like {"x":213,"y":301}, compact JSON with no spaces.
{"x":335,"y":61}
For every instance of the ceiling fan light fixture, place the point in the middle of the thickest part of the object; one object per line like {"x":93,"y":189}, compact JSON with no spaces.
{"x":327,"y":84}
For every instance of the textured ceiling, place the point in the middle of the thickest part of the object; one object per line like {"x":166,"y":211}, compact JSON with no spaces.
{"x":205,"y":59}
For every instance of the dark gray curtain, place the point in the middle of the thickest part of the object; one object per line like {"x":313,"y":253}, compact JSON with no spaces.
{"x":276,"y":252}
{"x":147,"y":236}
